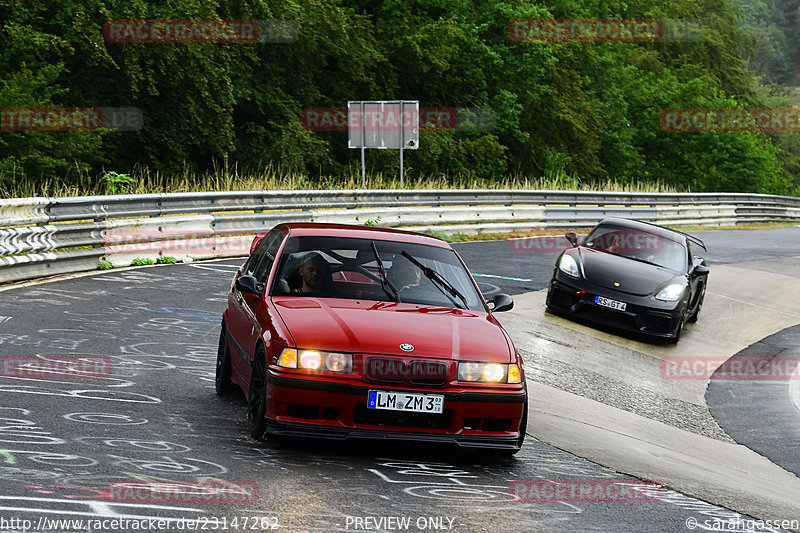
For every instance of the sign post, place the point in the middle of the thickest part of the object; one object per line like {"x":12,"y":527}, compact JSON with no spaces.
{"x":383,"y":124}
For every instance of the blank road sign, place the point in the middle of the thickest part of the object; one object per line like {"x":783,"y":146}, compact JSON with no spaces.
{"x":383,"y":124}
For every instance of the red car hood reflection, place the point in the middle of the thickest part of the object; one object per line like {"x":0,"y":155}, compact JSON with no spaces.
{"x":381,"y":327}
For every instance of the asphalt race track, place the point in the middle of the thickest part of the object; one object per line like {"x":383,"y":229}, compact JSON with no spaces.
{"x":153,"y":416}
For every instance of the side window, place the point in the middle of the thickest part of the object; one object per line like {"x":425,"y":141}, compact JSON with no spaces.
{"x":257,"y":259}
{"x":691,"y":254}
{"x":261,"y":271}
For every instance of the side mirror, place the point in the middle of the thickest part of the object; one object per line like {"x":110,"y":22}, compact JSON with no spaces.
{"x":700,"y":270}
{"x":502,"y":302}
{"x":248,"y":284}
{"x":572,"y":237}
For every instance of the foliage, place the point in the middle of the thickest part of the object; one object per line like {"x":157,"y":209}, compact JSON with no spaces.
{"x":166,"y":260}
{"x":117,"y":183}
{"x":572,"y":113}
{"x":105,"y":265}
{"x":142,"y":261}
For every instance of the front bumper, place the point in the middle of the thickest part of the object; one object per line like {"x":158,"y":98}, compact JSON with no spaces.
{"x":641,"y":315}
{"x":333,"y":409}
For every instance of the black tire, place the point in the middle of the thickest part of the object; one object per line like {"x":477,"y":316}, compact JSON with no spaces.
{"x":257,"y":398}
{"x":693,"y":318}
{"x":222,"y":383}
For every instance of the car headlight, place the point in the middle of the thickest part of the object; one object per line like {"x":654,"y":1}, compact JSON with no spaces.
{"x":568,"y":265}
{"x":489,"y":372}
{"x":316,"y":360}
{"x":670,"y":293}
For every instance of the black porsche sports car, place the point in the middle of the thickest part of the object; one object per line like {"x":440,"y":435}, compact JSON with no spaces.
{"x":631,"y":275}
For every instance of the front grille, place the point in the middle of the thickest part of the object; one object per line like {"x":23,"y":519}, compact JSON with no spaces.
{"x":401,"y":371}
{"x":608,"y":315}
{"x":428,"y":373}
{"x":496,"y":424}
{"x":308,"y":412}
{"x":660,"y":323}
{"x":386,"y":370}
{"x":561,"y":298}
{"x":377,"y":417}
{"x":487,"y":424}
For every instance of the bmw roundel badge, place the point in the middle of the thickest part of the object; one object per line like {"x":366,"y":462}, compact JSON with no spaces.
{"x":407,"y":347}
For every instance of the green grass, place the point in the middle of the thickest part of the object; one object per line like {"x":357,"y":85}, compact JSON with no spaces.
{"x":230,"y":179}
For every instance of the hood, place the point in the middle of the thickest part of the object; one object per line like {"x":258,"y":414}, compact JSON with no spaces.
{"x":381,"y":327}
{"x":605,"y":269}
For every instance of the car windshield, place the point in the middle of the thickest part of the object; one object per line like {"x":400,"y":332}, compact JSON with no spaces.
{"x":645,"y":246}
{"x":337,"y":267}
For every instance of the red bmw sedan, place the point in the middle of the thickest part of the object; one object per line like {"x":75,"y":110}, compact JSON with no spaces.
{"x":340,"y":332}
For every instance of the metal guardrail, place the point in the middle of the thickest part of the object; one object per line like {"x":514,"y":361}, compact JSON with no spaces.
{"x":45,"y":236}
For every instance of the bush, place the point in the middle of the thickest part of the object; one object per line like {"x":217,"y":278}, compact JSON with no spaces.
{"x":166,"y":260}
{"x":142,"y":261}
{"x":105,"y":265}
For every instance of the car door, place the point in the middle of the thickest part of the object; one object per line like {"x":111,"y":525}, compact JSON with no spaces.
{"x":243,"y":325}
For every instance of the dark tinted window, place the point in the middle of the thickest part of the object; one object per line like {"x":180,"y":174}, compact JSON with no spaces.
{"x":262,"y":259}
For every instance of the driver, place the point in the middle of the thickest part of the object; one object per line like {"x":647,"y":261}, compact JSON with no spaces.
{"x":404,"y":275}
{"x":315,"y":273}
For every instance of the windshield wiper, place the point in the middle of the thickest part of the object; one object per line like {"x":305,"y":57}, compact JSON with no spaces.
{"x":384,"y":280}
{"x":642,"y":260}
{"x":434,"y":276}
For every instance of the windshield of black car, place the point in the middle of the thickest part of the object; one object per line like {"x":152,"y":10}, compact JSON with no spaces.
{"x":638,"y":244}
{"x":344,"y":267}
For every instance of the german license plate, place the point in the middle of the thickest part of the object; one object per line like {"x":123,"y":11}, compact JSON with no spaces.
{"x":611,"y":304}
{"x":403,"y":401}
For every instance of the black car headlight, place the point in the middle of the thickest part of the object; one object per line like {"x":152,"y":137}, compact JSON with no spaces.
{"x":316,"y":360}
{"x":568,"y":265}
{"x":671,"y":292}
{"x":473,"y":372}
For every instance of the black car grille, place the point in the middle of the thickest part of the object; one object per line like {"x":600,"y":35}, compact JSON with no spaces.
{"x":400,"y":371}
{"x":660,"y":323}
{"x":608,"y":316}
{"x":561,"y":298}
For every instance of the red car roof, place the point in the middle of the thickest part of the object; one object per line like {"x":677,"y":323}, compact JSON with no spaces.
{"x":362,"y":232}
